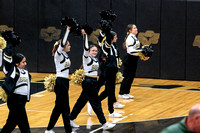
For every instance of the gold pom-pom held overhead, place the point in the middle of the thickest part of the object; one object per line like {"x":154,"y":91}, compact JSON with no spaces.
{"x":49,"y":82}
{"x":3,"y":95}
{"x":2,"y":43}
{"x":78,"y":76}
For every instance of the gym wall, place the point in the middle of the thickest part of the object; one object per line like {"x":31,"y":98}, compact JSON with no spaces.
{"x":171,"y":27}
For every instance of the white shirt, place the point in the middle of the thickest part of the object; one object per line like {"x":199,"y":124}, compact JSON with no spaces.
{"x":132,"y":44}
{"x":23,"y":83}
{"x":90,"y":64}
{"x":62,"y":60}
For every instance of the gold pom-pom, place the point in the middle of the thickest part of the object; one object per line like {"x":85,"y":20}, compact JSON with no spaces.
{"x":142,"y":57}
{"x":120,"y":63}
{"x":119,"y":77}
{"x":78,"y":76}
{"x":2,"y":43}
{"x":3,"y":95}
{"x":49,"y":82}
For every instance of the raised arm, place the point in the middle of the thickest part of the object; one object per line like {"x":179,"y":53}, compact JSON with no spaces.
{"x":85,"y":44}
{"x":65,"y":37}
{"x":7,"y":57}
{"x":106,"y":45}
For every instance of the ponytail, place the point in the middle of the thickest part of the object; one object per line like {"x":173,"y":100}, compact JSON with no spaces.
{"x":129,"y":27}
{"x":124,"y":43}
{"x":55,"y":47}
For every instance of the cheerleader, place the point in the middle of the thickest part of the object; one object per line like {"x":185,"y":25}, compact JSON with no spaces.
{"x":17,"y":87}
{"x":89,"y":85}
{"x":133,"y":48}
{"x":101,"y":80}
{"x":62,"y":63}
{"x":109,"y":68}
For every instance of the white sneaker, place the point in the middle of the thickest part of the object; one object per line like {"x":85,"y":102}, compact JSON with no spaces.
{"x":129,"y":95}
{"x":73,"y":124}
{"x":49,"y":131}
{"x":74,"y":130}
{"x":115,"y":114}
{"x":89,"y":109}
{"x":117,"y":105}
{"x":123,"y":96}
{"x":108,"y":125}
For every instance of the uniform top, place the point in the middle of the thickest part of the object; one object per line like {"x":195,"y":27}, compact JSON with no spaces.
{"x":90,"y":64}
{"x":23,"y":84}
{"x":132,"y":44}
{"x":61,"y":59}
{"x":109,"y":49}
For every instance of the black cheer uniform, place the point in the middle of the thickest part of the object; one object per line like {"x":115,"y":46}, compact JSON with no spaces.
{"x":62,"y":63}
{"x":130,"y":63}
{"x":90,"y":86}
{"x":17,"y":86}
{"x":109,"y":60}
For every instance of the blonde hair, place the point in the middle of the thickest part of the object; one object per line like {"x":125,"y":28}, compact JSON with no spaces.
{"x":55,"y":47}
{"x":129,"y":27}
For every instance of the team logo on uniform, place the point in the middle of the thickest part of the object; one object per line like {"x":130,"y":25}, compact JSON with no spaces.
{"x":67,"y":63}
{"x":95,"y":67}
{"x":50,"y":33}
{"x":22,"y":79}
{"x":149,"y":37}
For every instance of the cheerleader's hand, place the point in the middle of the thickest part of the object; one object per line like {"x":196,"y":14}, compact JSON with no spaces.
{"x":68,"y":27}
{"x":83,"y":32}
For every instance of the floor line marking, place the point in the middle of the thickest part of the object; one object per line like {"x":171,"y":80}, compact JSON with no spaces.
{"x":96,"y":130}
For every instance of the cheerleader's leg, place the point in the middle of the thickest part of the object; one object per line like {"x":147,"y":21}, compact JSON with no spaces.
{"x":65,"y":109}
{"x":10,"y":123}
{"x":80,"y":103}
{"x":23,"y":119}
{"x":110,"y":75}
{"x":92,"y":94}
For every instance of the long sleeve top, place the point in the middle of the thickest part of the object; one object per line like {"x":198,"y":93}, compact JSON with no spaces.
{"x":109,"y":49}
{"x":61,"y":59}
{"x":90,"y":64}
{"x":133,"y":44}
{"x":17,"y":80}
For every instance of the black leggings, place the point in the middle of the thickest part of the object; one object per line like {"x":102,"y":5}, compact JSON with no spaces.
{"x":89,"y":93}
{"x":130,"y":66}
{"x":17,"y":114}
{"x":61,"y":104}
{"x":108,"y":76}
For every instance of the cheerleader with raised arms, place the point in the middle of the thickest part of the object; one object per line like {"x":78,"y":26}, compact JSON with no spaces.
{"x":90,"y":86}
{"x":62,"y":63}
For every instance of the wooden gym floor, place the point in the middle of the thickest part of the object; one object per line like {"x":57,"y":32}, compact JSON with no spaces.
{"x":155,"y":99}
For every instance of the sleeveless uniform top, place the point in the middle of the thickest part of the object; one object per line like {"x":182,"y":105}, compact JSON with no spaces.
{"x":61,"y":59}
{"x":90,"y":64}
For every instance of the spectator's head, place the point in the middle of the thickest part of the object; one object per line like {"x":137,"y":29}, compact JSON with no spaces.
{"x":193,"y":122}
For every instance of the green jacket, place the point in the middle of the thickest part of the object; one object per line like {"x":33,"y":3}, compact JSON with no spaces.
{"x":177,"y":128}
